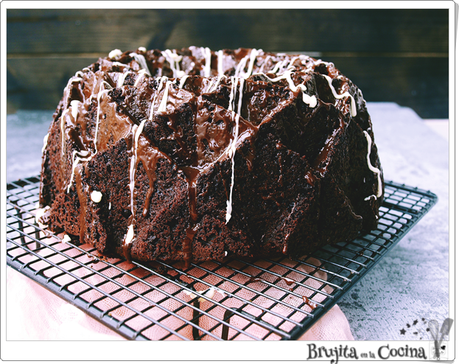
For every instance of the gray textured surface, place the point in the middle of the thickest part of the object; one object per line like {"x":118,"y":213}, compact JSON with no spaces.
{"x":410,"y":283}
{"x":25,"y":131}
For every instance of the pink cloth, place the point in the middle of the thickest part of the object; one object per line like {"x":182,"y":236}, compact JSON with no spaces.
{"x":34,"y":313}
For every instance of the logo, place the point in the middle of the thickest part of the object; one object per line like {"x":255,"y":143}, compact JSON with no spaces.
{"x":430,"y":329}
{"x":436,"y":349}
{"x":439,"y":335}
{"x":385,"y":352}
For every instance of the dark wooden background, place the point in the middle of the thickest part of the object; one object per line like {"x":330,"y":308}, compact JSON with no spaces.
{"x":392,"y":55}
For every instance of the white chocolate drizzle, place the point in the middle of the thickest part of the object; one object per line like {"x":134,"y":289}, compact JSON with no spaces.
{"x":74,"y":105}
{"x":174,"y":62}
{"x":115,"y":54}
{"x":265,"y":62}
{"x":137,"y":130}
{"x":220,"y":63}
{"x":102,"y":91}
{"x":183,"y":80}
{"x":74,"y":79}
{"x":77,"y":157}
{"x":207,"y":57}
{"x":140,"y":76}
{"x":309,"y":100}
{"x":40,"y":212}
{"x":370,"y":197}
{"x":342,"y":96}
{"x":279,"y":66}
{"x":129,"y":235}
{"x":163,"y":104}
{"x":45,"y":143}
{"x":214,"y":82}
{"x":210,"y":85}
{"x":161,"y":81}
{"x":370,"y":166}
{"x":232,"y":150}
{"x":140,"y":59}
{"x":121,"y":79}
{"x":292,"y":61}
{"x":251,"y":58}
{"x":240,"y":66}
{"x":209,"y":293}
{"x":119,"y":64}
{"x":63,"y":130}
{"x":276,"y":67}
{"x":96,"y":196}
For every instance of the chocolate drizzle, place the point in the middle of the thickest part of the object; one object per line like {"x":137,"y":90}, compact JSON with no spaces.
{"x":285,"y":248}
{"x":254,"y":279}
{"x":149,"y":157}
{"x":307,"y":301}
{"x":82,"y":199}
{"x":191,"y":174}
{"x":187,"y":245}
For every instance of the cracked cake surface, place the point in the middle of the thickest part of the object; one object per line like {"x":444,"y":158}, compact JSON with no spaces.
{"x":193,"y":154}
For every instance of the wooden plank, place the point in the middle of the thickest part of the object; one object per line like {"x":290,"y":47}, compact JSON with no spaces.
{"x":347,"y":30}
{"x":393,"y":55}
{"x":421,"y":83}
{"x":80,"y":33}
{"x":38,"y":83}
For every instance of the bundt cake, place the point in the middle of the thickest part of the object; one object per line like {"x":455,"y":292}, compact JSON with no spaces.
{"x":190,"y":155}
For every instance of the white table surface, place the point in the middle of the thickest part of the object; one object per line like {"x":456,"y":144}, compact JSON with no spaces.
{"x":412,"y":281}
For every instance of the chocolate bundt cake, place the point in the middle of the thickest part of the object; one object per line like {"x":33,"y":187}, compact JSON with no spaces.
{"x":192,"y":155}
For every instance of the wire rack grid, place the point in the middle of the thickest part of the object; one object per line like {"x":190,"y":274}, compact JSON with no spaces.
{"x":272,"y":299}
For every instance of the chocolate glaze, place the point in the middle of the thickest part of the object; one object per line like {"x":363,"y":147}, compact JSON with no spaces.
{"x":196,"y":109}
{"x":187,"y":245}
{"x":192,"y":174}
{"x":285,"y":248}
{"x":287,"y":281}
{"x":254,"y":279}
{"x":149,"y":156}
{"x":307,"y":301}
{"x":82,"y":200}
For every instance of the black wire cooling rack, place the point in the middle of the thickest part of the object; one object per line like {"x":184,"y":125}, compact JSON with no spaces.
{"x":276,"y":299}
